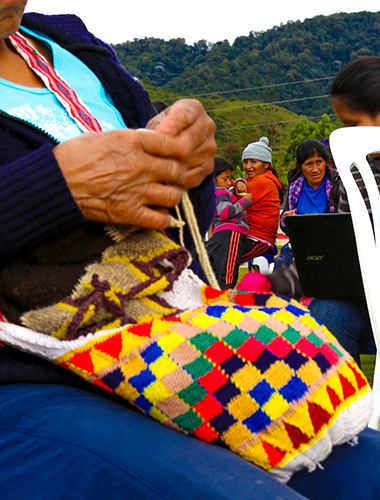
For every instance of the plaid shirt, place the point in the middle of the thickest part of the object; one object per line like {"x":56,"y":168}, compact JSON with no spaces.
{"x":343,"y":205}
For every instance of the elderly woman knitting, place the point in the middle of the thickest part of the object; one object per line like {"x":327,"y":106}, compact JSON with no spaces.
{"x":85,"y":165}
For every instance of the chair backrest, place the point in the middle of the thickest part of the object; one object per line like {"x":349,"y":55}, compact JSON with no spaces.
{"x":350,"y":147}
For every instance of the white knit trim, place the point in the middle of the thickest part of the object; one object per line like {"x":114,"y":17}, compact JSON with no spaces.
{"x":186,"y":292}
{"x":345,"y":429}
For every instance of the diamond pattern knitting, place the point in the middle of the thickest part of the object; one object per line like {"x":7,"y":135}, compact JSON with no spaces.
{"x":253,"y":372}
{"x":266,"y":380}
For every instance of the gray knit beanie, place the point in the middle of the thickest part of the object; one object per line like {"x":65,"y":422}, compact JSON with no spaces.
{"x":258,"y":151}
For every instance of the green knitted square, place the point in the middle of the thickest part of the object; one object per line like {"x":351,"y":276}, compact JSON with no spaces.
{"x":188,"y":421}
{"x":265,"y":334}
{"x":198,"y":367}
{"x":192,"y":394}
{"x":314,"y":339}
{"x":236,"y":338}
{"x":291,"y":335}
{"x":203,"y":341}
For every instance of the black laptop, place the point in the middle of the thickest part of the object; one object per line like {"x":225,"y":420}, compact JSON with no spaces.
{"x":325,"y":253}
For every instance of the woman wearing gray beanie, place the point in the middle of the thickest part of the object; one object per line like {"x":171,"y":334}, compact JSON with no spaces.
{"x":267,"y":191}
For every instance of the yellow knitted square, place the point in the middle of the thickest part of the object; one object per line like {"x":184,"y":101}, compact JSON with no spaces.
{"x":242,"y":406}
{"x":203,"y":320}
{"x":285,"y":316}
{"x":134,"y":365}
{"x":170,"y":342}
{"x":237,"y":435}
{"x":259,"y":315}
{"x":309,"y":321}
{"x":157,"y":392}
{"x":309,"y":372}
{"x":276,"y":406}
{"x":247,"y":377}
{"x":162,"y":366}
{"x":127,"y":391}
{"x":233,"y":316}
{"x":278,"y":374}
{"x":157,"y":414}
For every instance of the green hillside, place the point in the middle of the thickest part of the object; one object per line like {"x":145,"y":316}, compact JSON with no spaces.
{"x":291,"y":65}
{"x":265,"y":83}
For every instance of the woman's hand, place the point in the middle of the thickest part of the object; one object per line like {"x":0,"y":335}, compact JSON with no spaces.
{"x":241,"y":187}
{"x":289,"y":212}
{"x":118,"y":177}
{"x":193,"y":129}
{"x":134,"y":176}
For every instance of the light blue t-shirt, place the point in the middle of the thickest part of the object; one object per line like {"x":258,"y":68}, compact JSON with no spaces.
{"x":40,"y":107}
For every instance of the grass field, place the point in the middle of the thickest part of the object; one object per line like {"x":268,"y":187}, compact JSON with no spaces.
{"x":367,"y":360}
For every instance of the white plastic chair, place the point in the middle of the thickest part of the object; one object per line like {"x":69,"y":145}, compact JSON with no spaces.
{"x":350,"y":146}
{"x":264,"y":262}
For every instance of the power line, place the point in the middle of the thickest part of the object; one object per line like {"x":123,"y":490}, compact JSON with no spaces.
{"x":310,"y":118}
{"x":274,"y":85}
{"x":267,"y":103}
{"x":259,"y":87}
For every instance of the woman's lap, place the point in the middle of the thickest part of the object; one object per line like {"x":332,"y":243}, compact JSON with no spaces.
{"x":61,"y":442}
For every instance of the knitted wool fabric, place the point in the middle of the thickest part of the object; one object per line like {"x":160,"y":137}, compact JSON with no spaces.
{"x":122,"y":288}
{"x":254,"y":372}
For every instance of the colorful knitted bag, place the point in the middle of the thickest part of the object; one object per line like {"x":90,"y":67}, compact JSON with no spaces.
{"x":254,"y":372}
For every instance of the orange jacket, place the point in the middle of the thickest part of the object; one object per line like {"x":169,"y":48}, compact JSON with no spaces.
{"x":264,"y":211}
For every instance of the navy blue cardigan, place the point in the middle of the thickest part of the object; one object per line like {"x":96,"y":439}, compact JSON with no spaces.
{"x":35,"y":203}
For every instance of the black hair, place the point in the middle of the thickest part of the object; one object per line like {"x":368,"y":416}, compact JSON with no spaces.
{"x":221,"y":165}
{"x":357,"y":85}
{"x":309,"y":148}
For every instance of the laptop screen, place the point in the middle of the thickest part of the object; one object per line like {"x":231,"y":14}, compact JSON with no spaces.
{"x":325,"y":253}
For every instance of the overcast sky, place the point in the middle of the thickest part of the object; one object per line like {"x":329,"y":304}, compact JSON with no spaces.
{"x":116,"y":21}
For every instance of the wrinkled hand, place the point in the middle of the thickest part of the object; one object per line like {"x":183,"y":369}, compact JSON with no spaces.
{"x":193,"y":129}
{"x":124,"y":176}
{"x":134,"y":176}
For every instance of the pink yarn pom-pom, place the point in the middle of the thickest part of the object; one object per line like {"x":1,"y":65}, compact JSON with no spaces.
{"x":254,"y":281}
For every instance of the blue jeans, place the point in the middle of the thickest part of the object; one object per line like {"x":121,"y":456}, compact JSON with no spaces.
{"x":59,"y":442}
{"x":348,"y":320}
{"x":285,"y":258}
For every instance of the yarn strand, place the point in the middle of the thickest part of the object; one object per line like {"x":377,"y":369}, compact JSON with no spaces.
{"x":199,"y":245}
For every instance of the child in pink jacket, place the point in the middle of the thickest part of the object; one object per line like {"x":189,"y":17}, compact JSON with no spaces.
{"x":230,"y":227}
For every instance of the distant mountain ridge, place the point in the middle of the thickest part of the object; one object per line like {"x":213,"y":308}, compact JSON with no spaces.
{"x":291,"y":65}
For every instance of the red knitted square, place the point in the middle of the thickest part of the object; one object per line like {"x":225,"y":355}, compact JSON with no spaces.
{"x":218,"y":352}
{"x":208,"y":408}
{"x":306,"y":347}
{"x":329,"y":354}
{"x":280,"y":347}
{"x":213,"y":380}
{"x":206,"y":433}
{"x":251,"y":349}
